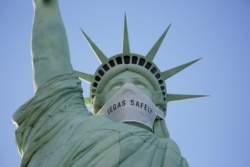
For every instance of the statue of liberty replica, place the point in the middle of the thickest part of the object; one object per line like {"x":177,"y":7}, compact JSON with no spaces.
{"x":128,"y":97}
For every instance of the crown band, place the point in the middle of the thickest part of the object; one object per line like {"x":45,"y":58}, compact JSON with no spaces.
{"x":132,"y":62}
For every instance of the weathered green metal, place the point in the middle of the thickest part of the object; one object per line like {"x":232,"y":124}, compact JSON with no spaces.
{"x":149,"y":57}
{"x":151,"y":54}
{"x":102,"y":58}
{"x":86,"y":77}
{"x":126,"y":48}
{"x":168,"y":73}
{"x":175,"y":97}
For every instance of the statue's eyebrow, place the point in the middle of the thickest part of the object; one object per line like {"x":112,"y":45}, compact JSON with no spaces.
{"x":112,"y":83}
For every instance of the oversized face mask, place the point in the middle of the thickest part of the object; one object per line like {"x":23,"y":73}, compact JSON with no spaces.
{"x":129,"y":104}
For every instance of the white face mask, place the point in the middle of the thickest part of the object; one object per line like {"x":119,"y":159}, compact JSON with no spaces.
{"x":130,"y":105}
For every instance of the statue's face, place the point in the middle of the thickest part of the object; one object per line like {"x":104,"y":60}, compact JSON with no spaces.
{"x":118,"y":81}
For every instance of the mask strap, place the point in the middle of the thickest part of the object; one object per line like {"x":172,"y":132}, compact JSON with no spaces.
{"x":158,"y":101}
{"x":98,"y":101}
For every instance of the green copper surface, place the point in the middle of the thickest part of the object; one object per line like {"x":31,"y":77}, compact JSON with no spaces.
{"x":102,"y":58}
{"x":175,"y":97}
{"x":86,"y":77}
{"x":167,"y":74}
{"x":151,"y":54}
{"x":126,"y":48}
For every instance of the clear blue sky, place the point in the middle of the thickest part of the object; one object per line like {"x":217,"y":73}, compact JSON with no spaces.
{"x":211,"y":131}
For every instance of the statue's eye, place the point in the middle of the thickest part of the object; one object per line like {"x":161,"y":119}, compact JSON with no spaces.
{"x":140,"y":84}
{"x":115,"y":86}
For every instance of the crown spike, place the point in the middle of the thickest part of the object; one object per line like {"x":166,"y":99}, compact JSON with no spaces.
{"x":175,"y":97}
{"x":167,"y":74}
{"x":151,"y":54}
{"x":86,"y":77}
{"x":126,"y":48}
{"x":102,"y":58}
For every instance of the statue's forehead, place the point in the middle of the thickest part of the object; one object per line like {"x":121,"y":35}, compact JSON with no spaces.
{"x":129,"y":77}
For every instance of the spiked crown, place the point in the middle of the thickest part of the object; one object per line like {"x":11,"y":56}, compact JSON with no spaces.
{"x":142,"y":65}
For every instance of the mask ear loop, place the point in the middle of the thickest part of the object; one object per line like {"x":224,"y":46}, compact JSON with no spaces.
{"x":159,"y":101}
{"x":98,"y":101}
{"x":160,"y":128}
